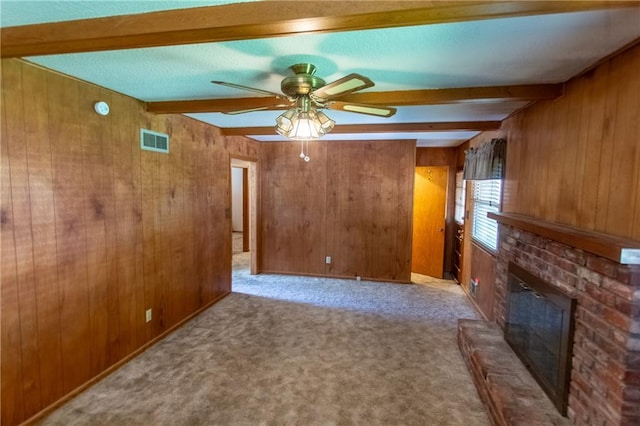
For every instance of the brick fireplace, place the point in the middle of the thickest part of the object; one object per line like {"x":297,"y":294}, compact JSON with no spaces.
{"x":594,"y":269}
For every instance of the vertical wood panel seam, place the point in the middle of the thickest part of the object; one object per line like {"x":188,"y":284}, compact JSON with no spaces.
{"x":13,"y":233}
{"x":325,"y":218}
{"x":55,"y":246}
{"x":84,"y":227}
{"x":608,"y":116}
{"x":143,"y":223}
{"x":28,"y":190}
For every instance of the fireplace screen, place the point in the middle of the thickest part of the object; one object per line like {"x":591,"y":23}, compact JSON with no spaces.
{"x":539,"y":328}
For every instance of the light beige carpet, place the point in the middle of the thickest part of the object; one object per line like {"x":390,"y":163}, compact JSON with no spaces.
{"x":284,"y":350}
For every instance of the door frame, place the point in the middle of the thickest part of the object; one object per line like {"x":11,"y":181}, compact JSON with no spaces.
{"x":249,"y":204}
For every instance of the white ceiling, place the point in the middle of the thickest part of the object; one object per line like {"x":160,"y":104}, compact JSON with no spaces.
{"x":493,"y":52}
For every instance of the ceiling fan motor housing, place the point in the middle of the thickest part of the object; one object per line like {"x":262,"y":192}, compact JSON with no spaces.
{"x":303,"y":82}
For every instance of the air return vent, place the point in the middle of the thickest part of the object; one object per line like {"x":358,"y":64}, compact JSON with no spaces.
{"x":154,"y":141}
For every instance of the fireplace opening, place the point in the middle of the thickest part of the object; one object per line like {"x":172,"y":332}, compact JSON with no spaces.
{"x":539,"y":329}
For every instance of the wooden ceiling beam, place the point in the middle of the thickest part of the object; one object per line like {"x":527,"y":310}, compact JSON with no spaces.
{"x":379,"y":128}
{"x":527,"y":93}
{"x":262,"y":20}
{"x":211,"y":105}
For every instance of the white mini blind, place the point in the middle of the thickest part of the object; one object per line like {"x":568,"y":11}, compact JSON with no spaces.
{"x":486,"y":198}
{"x":460,"y":195}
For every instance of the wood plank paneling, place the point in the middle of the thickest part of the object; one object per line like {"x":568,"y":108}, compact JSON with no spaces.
{"x":192,"y":291}
{"x":95,"y":231}
{"x":596,"y":97}
{"x":11,"y":349}
{"x":557,"y":154}
{"x":92,"y":138}
{"x":41,"y":188}
{"x":67,"y":162}
{"x":567,"y":205}
{"x":109,"y":159}
{"x":379,"y":246}
{"x":352,"y":201}
{"x":484,"y":270}
{"x":347,"y":211}
{"x":293,"y":208}
{"x":220,"y":214}
{"x":25,"y":267}
{"x":575,"y":160}
{"x":403,"y":231}
{"x":626,"y":144}
{"x":123,"y":140}
{"x":137,"y":206}
{"x":604,"y":186}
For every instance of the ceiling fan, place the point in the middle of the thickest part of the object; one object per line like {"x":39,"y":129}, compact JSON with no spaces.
{"x":305,"y":91}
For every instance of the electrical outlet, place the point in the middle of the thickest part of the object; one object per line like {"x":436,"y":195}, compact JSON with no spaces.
{"x":474,"y":286}
{"x":148,"y":315}
{"x":357,"y":277}
{"x":327,"y":260}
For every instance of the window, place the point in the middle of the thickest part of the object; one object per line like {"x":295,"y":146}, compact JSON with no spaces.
{"x":460,"y":194}
{"x":486,"y":198}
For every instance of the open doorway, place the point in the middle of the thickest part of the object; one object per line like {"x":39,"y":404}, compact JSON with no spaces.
{"x":243,"y":215}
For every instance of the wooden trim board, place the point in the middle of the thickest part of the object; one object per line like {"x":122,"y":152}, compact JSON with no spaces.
{"x":620,"y":250}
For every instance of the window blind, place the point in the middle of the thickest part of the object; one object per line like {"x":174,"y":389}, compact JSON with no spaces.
{"x":460,"y":195}
{"x":486,"y":197}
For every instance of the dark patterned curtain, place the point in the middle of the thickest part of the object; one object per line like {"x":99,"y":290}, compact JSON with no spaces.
{"x":486,"y":161}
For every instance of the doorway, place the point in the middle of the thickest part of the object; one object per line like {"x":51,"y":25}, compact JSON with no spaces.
{"x":429,"y":218}
{"x":244,"y":214}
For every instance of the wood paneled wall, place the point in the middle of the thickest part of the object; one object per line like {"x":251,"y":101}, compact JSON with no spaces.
{"x":483,"y":267}
{"x":576,"y":160}
{"x":292,"y":208}
{"x":352,"y":201}
{"x":95,"y":231}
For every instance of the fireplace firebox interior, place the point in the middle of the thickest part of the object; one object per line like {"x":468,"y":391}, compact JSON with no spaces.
{"x":539,"y":329}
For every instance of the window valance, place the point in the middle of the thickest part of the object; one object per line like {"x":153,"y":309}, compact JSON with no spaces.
{"x":486,"y":161}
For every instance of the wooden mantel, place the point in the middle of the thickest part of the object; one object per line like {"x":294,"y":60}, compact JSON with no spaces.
{"x":621,"y":250}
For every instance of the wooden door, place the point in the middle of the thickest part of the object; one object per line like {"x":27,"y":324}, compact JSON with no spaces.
{"x":429,"y":209}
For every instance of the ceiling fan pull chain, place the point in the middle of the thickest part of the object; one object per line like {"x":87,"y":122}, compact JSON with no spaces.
{"x":302,"y":150}
{"x":306,"y":157}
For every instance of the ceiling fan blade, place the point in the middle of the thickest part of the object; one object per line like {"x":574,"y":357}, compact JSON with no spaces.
{"x":342,"y":86}
{"x":379,"y":111}
{"x":258,"y":108}
{"x":251,"y":89}
{"x":242,"y":111}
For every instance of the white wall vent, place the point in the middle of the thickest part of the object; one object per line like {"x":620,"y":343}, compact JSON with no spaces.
{"x":154,"y":141}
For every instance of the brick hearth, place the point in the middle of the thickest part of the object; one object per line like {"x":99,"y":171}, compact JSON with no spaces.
{"x":605,"y":376}
{"x":511,"y":394}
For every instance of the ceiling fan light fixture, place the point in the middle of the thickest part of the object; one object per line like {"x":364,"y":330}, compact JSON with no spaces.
{"x":326,"y":123}
{"x":284,"y":123}
{"x":304,"y":123}
{"x":305,"y":127}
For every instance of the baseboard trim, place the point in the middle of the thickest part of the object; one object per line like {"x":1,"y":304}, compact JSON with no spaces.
{"x":473,"y":302}
{"x":51,"y":407}
{"x":340,"y":277}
